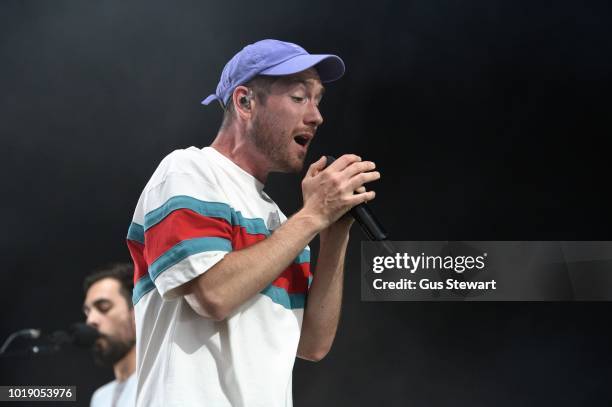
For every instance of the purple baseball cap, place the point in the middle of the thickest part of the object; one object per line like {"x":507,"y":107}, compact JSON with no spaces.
{"x":274,"y":58}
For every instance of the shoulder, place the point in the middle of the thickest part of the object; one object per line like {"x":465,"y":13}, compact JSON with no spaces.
{"x":184,"y":160}
{"x":103,"y":395}
{"x":186,"y":176}
{"x":129,"y":392}
{"x":191,"y":163}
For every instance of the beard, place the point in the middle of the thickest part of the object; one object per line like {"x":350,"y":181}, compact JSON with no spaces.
{"x":113,"y":352}
{"x":272,"y":141}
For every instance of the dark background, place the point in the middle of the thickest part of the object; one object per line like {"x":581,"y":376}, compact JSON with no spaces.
{"x":488,"y":119}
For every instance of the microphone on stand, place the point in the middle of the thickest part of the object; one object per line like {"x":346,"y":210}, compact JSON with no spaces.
{"x":79,"y":334}
{"x":23,"y":333}
{"x":84,"y":335}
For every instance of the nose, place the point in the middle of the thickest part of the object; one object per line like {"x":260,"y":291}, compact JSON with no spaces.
{"x":313,"y":116}
{"x":92,"y":319}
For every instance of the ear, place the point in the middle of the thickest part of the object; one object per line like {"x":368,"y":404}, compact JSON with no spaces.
{"x":243,"y":102}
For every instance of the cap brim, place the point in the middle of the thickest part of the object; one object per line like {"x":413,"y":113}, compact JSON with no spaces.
{"x":209,"y":99}
{"x":329,"y":67}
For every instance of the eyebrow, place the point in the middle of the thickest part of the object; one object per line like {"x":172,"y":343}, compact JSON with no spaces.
{"x":305,"y":83}
{"x":96,"y":304}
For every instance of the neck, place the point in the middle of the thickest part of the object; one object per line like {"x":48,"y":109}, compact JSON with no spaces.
{"x":232,"y":143}
{"x":126,"y":366}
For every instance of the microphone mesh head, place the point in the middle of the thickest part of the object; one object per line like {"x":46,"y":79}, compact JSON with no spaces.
{"x":83,"y":334}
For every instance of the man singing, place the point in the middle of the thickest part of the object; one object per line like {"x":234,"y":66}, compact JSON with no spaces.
{"x":224,"y":296}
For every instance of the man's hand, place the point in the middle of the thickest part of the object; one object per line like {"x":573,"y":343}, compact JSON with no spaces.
{"x":331,"y":192}
{"x":345,"y":221}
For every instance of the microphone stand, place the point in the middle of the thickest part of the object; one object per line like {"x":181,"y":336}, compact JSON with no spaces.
{"x":80,"y":335}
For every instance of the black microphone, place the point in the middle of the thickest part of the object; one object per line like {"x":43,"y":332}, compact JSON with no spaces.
{"x":79,"y":334}
{"x":84,"y":335}
{"x":366,"y":219}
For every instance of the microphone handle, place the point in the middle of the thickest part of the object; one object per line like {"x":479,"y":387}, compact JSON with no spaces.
{"x":368,"y":222}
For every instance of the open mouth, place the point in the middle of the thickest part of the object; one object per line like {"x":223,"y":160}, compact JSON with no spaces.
{"x":302,"y":139}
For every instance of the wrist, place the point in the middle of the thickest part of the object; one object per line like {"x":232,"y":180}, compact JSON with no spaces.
{"x":338,"y":230}
{"x":310,"y":223}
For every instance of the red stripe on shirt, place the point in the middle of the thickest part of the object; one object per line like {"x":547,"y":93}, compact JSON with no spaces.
{"x":182,"y":224}
{"x":140,"y":265}
{"x":242,"y":239}
{"x":294,"y":279}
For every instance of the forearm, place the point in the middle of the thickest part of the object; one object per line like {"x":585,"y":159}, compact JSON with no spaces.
{"x":244,"y":273}
{"x":322,"y":312}
{"x":328,"y":195}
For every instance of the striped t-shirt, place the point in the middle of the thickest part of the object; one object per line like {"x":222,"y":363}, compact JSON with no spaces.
{"x":197,"y":207}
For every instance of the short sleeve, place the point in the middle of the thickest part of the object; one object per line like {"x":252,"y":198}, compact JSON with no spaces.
{"x":187,"y":230}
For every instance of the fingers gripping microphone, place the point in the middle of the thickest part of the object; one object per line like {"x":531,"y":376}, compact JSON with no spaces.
{"x":365,"y":217}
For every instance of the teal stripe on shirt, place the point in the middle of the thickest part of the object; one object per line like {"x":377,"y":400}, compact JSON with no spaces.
{"x":281,"y":296}
{"x":209,"y":209}
{"x":143,"y":286}
{"x":276,"y":294}
{"x":253,"y":226}
{"x":136,"y":233}
{"x":303,"y":257}
{"x":186,"y":248}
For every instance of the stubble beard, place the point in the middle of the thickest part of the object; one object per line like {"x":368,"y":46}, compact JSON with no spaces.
{"x":113,"y":352}
{"x":273,"y":142}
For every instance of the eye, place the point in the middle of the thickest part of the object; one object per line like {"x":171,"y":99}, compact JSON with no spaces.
{"x":298,"y":99}
{"x":104,"y":308}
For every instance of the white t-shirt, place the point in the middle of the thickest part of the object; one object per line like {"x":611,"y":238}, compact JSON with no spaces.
{"x":116,"y":394}
{"x":197,"y":207}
